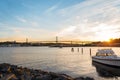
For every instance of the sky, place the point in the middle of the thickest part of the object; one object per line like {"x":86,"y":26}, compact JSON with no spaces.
{"x":38,"y":20}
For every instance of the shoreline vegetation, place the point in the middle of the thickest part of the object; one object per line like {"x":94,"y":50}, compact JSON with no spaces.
{"x":111,"y":43}
{"x":14,"y":72}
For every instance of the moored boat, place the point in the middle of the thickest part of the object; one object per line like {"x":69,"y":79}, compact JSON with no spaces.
{"x":107,"y":57}
{"x":106,"y":71}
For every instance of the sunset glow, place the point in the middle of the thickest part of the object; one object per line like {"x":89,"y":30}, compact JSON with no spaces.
{"x":90,"y":20}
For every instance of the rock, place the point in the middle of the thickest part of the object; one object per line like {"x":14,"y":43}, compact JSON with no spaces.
{"x":13,"y":72}
{"x":88,"y":78}
{"x":9,"y":77}
{"x":66,"y":76}
{"x":44,"y":77}
{"x":54,"y":75}
{"x":82,"y":78}
{"x":62,"y":78}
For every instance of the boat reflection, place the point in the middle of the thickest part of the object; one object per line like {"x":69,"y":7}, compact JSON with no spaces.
{"x":106,"y":71}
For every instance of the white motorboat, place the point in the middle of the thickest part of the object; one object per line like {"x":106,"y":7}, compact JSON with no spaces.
{"x":106,"y":71}
{"x":107,"y":57}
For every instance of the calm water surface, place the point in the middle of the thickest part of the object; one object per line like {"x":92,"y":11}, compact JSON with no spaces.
{"x":60,"y":60}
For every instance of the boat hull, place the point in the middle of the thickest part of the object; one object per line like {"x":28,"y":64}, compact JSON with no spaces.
{"x":109,"y":62}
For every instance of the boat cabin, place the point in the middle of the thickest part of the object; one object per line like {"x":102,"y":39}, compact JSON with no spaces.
{"x":105,"y":52}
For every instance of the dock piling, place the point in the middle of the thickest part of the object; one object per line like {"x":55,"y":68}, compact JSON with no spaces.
{"x":90,"y":51}
{"x":78,"y":49}
{"x":82,"y":50}
{"x":72,"y":49}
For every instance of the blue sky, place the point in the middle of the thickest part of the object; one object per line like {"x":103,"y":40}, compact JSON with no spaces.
{"x":67,"y":19}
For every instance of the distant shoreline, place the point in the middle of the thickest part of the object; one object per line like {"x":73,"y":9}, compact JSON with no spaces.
{"x":61,"y":44}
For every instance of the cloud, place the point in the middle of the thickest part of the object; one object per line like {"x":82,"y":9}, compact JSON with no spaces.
{"x":67,"y":31}
{"x":31,"y":33}
{"x":93,"y":10}
{"x":84,"y":21}
{"x":90,"y":18}
{"x":28,"y":22}
{"x":21,"y":19}
{"x":52,"y":8}
{"x":34,"y":23}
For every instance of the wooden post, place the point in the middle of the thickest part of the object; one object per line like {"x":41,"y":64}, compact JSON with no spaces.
{"x":78,"y":49}
{"x":82,"y":50}
{"x":72,"y":49}
{"x":90,"y":51}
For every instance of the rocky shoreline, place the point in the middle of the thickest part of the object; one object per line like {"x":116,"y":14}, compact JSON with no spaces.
{"x":14,"y":72}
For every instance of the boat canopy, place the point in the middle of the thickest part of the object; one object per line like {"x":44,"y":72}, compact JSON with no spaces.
{"x":105,"y":52}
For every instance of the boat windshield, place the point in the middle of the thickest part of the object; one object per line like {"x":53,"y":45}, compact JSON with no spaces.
{"x":105,"y":52}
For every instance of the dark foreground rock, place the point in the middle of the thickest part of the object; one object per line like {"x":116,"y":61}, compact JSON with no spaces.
{"x":13,"y":72}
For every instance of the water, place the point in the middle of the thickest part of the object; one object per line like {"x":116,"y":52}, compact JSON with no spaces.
{"x":60,"y":60}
